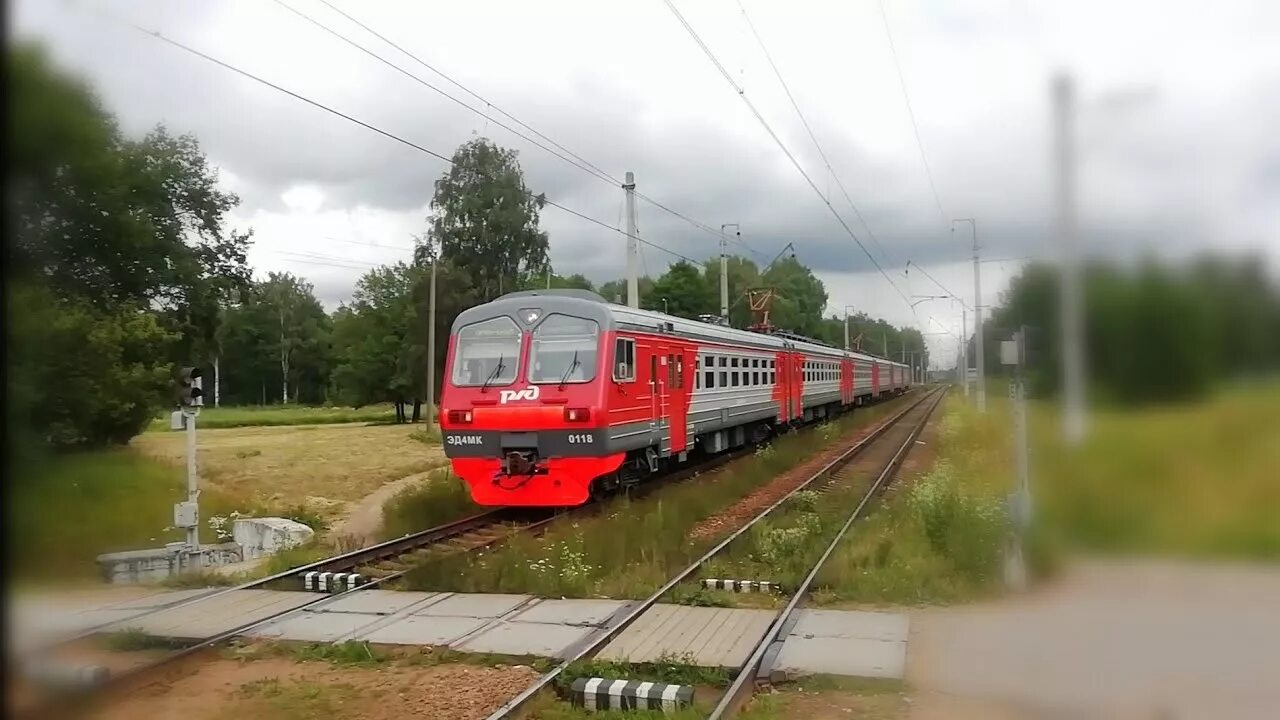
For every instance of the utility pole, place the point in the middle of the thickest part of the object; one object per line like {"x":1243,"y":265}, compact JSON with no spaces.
{"x":548,"y":274}
{"x":431,"y":346}
{"x":884,"y":338}
{"x":1070,"y":299}
{"x":633,"y":243}
{"x":1014,"y":352}
{"x":977,"y":315}
{"x":724,"y":270}
{"x":846,"y":327}
{"x":964,"y":348}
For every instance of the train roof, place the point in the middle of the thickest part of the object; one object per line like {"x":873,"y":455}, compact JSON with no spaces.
{"x":527,"y":307}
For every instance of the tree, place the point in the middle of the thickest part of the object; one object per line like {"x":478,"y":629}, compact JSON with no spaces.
{"x":371,"y":336}
{"x":802,"y":298}
{"x":126,"y":236}
{"x":681,"y":291}
{"x":615,"y":291}
{"x":297,"y":318}
{"x":81,"y":375}
{"x":743,"y":275}
{"x":485,"y":220}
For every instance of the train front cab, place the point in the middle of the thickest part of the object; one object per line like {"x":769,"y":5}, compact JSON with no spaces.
{"x":522,"y":412}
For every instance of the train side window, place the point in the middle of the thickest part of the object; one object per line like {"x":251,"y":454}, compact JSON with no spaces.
{"x":724,"y":361}
{"x":724,"y":379}
{"x":624,"y":360}
{"x":755,"y":377}
{"x":734,"y":378}
{"x":671,"y":371}
{"x":653,"y":371}
{"x":709,"y":379}
{"x":679,"y":372}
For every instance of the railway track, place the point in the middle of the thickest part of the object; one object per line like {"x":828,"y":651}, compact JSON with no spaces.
{"x":365,"y":568}
{"x":874,"y":459}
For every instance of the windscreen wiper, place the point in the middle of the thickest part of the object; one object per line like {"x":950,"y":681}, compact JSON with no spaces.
{"x":573,"y":365}
{"x":493,"y":375}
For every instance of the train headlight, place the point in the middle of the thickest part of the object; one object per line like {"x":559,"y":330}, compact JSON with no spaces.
{"x":577,"y":414}
{"x":460,"y":417}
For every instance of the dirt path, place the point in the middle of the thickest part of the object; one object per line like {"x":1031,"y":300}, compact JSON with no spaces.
{"x":285,"y":689}
{"x":362,"y":520}
{"x":1111,"y":639}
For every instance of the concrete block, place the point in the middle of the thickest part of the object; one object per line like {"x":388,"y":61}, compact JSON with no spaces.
{"x":260,"y":537}
{"x":154,"y":564}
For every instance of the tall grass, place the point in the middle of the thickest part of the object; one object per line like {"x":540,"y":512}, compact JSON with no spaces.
{"x":65,"y":510}
{"x":1193,"y":480}
{"x":442,"y":497}
{"x":274,"y":415}
{"x":628,"y":547}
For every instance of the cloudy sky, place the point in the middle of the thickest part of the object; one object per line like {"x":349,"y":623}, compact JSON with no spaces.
{"x":1178,"y":147}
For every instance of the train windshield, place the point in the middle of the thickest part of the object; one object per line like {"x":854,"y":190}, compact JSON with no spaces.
{"x":487,"y":353}
{"x":564,"y":350}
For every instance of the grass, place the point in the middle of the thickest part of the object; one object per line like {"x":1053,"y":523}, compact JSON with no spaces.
{"x":274,"y":415}
{"x":666,"y":669}
{"x":134,"y":639}
{"x":441,"y":498}
{"x":66,"y":510}
{"x":1197,"y":480}
{"x":320,"y":468}
{"x":648,"y":539}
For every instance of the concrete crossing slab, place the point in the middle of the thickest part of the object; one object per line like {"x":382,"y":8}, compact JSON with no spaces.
{"x":425,"y":630}
{"x":475,"y":605}
{"x":316,"y":626}
{"x":710,"y":637}
{"x":845,"y":642}
{"x":217,"y":614}
{"x":522,"y":638}
{"x":375,"y":602}
{"x":163,"y":599}
{"x":570,"y":612}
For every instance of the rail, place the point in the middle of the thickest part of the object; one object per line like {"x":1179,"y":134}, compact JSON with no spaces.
{"x":508,"y":709}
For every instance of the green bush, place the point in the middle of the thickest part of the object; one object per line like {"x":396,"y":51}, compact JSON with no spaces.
{"x":78,"y":376}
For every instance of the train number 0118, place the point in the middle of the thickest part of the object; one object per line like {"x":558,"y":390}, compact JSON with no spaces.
{"x":581,"y":438}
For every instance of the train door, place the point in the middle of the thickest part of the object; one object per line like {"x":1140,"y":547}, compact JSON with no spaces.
{"x":875,"y":378}
{"x":657,"y":366}
{"x":676,"y":389}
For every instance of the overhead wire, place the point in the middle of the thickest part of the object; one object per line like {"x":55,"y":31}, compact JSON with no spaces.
{"x":389,"y":135}
{"x":812,"y":136}
{"x":781,"y":145}
{"x":911,"y":113}
{"x":572,"y":158}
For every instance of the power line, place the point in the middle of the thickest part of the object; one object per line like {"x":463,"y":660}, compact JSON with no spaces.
{"x":786,"y":88}
{"x":573,"y":158}
{"x":935,"y":282}
{"x":244,"y":73}
{"x":911,"y":112}
{"x":742,"y":94}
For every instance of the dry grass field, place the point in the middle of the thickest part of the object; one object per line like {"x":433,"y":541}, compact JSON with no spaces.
{"x":324,"y":467}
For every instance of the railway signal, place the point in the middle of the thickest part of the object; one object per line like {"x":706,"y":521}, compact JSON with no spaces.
{"x":190,"y":393}
{"x":190,"y":387}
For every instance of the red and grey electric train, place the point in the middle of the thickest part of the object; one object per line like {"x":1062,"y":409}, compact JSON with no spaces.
{"x":550,"y":397}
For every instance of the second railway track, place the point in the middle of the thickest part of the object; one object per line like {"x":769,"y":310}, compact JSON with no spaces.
{"x":872,"y":460}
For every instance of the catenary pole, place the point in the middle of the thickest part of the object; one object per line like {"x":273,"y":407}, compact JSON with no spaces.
{"x":633,"y":250}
